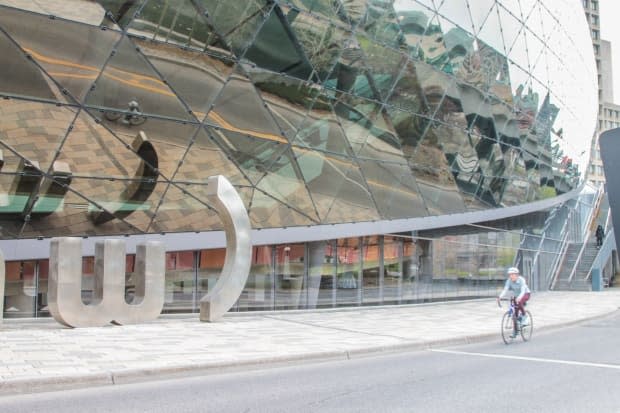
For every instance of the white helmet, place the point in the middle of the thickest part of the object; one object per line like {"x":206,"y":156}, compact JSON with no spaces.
{"x":513,"y":270}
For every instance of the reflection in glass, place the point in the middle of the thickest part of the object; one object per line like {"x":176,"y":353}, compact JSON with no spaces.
{"x":210,"y":264}
{"x":180,"y":291}
{"x":393,"y":280}
{"x":372,"y":271}
{"x":43,"y":276}
{"x":290,"y":283}
{"x":20,"y":289}
{"x":336,"y":186}
{"x":321,"y":274}
{"x":259,"y":290}
{"x":348,"y":268}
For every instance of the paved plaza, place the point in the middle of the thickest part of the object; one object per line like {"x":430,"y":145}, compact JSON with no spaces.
{"x":39,"y":355}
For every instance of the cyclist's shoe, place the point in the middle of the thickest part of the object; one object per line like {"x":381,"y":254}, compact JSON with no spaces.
{"x":513,"y":335}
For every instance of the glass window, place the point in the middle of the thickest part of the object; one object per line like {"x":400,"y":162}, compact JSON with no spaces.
{"x":258,"y":293}
{"x":42,"y":309}
{"x":210,"y":264}
{"x":289,"y":280}
{"x":20,"y":289}
{"x":393,"y":269}
{"x":372,"y":272}
{"x":321,"y":274}
{"x":348,"y":272}
{"x":180,"y":282}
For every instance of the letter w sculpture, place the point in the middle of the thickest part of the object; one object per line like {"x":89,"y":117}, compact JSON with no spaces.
{"x":109,"y":305}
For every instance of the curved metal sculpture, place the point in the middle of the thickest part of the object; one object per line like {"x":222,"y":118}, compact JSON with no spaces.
{"x":108,"y":304}
{"x":234,"y":216}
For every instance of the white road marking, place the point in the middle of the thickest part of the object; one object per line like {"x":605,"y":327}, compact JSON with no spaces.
{"x":540,"y":360}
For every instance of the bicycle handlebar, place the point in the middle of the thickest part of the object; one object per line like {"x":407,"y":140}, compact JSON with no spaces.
{"x":499,"y":301}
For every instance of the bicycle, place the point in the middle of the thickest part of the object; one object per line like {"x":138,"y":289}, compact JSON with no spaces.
{"x":511,"y":326}
{"x":133,"y":116}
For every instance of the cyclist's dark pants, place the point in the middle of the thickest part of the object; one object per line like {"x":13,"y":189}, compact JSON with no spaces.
{"x":521,"y":304}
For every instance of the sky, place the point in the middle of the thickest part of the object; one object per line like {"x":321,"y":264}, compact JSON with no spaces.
{"x":610,"y":30}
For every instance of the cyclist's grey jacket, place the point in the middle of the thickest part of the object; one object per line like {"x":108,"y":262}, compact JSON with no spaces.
{"x":519,"y":288}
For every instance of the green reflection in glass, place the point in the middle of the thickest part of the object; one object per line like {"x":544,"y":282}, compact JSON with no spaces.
{"x":336,"y":185}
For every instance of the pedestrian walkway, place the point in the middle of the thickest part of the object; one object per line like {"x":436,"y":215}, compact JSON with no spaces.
{"x":40,"y":355}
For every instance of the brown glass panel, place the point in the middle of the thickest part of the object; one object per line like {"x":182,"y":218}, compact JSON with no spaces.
{"x":203,"y":159}
{"x":267,"y":211}
{"x":196,"y":77}
{"x":33,"y":130}
{"x":75,"y":68}
{"x":83,"y":207}
{"x":128,"y":85}
{"x":183,"y":210}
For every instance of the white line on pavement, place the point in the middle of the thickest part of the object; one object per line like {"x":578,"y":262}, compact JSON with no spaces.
{"x":540,"y":360}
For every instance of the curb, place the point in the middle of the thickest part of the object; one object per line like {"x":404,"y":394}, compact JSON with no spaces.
{"x":128,"y":376}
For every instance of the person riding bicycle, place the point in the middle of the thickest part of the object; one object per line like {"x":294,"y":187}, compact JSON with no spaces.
{"x":519,"y":288}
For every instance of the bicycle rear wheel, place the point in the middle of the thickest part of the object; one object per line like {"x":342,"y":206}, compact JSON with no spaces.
{"x":110,"y":115}
{"x":508,"y":327}
{"x":526,"y":330}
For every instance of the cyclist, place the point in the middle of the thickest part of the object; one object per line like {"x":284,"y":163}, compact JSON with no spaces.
{"x":519,"y":288}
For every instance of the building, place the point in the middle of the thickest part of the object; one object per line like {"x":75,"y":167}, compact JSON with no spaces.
{"x":378,"y":146}
{"x":607,"y":110}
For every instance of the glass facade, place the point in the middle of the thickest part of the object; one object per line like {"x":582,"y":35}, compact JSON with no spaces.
{"x":115,"y":112}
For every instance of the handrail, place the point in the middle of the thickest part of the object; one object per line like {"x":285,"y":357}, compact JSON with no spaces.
{"x":534,"y":273}
{"x":591,"y":217}
{"x":603,"y":253}
{"x":559,"y":259}
{"x":608,"y":220}
{"x":577,"y":261}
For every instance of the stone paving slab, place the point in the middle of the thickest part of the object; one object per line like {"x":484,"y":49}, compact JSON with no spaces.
{"x":40,"y":355}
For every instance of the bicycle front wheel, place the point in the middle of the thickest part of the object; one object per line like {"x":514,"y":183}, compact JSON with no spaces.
{"x":508,"y":328}
{"x":526,"y":330}
{"x":136,"y":120}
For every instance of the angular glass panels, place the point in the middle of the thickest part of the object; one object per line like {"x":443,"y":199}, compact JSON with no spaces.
{"x":317,"y":111}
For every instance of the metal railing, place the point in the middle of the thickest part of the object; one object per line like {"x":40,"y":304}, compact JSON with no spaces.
{"x":592,"y":215}
{"x":576,"y":234}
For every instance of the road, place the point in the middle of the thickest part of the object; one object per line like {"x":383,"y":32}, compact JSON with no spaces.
{"x":570,"y":370}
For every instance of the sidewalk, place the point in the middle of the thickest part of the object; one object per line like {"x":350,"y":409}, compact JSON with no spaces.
{"x":41,"y":355}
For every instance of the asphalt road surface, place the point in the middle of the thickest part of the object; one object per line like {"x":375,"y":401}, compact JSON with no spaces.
{"x":570,"y":370}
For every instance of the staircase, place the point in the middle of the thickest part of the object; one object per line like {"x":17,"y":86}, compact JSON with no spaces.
{"x":578,"y":281}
